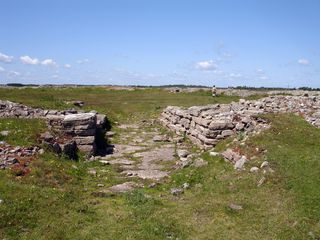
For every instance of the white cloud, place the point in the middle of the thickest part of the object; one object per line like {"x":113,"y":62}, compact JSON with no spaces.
{"x":263,"y":78}
{"x":235,"y":75}
{"x":49,"y":62}
{"x":67,"y":66}
{"x":259,"y":70}
{"x":5,"y":58}
{"x":2,"y":69}
{"x":209,"y":65}
{"x":29,"y":61}
{"x":83,"y":61}
{"x":303,"y":61}
{"x":35,"y":61}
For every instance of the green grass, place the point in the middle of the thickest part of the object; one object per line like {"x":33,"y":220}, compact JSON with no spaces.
{"x":55,"y":200}
{"x":22,"y":132}
{"x":119,"y":105}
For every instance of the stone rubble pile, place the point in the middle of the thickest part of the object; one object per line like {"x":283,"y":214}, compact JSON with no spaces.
{"x":10,"y":109}
{"x":75,"y":129}
{"x":205,"y":126}
{"x":10,"y":155}
{"x":235,"y":158}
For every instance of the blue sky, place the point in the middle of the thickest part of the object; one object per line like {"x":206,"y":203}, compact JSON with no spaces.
{"x":225,"y":43}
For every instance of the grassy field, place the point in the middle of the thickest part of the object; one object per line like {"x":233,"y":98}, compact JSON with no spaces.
{"x":55,"y":200}
{"x":119,"y":105}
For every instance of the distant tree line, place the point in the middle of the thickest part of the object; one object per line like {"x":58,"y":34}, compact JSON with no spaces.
{"x":21,"y":85}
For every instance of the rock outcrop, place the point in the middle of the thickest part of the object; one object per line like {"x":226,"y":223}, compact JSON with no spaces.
{"x":207,"y":125}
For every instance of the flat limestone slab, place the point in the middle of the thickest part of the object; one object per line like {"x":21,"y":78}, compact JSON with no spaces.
{"x":79,"y":117}
{"x":121,"y":161}
{"x":147,"y":174}
{"x":124,"y":187}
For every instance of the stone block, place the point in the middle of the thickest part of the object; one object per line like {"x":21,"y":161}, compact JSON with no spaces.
{"x":88,"y":140}
{"x":220,"y":124}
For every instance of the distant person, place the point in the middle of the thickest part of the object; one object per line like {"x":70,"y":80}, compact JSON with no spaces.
{"x":214,"y":91}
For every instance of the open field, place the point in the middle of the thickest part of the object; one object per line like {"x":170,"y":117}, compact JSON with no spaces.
{"x":119,"y":105}
{"x":56,"y":199}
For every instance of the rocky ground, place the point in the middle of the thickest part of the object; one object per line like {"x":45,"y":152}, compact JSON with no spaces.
{"x":153,"y":184}
{"x":144,"y":156}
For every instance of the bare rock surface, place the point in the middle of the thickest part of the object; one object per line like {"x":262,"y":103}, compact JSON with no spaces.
{"x":139,"y":157}
{"x":153,"y":174}
{"x":121,"y":161}
{"x":124,"y":187}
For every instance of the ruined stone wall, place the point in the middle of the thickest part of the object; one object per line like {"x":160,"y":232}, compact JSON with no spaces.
{"x":207,"y":125}
{"x":83,"y":128}
{"x":246,"y":92}
{"x":10,"y":109}
{"x":69,"y":126}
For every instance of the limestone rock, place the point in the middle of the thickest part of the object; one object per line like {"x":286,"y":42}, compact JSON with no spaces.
{"x":231,"y":155}
{"x":254,"y":169}
{"x":214,"y":154}
{"x":182,"y":153}
{"x":199,"y":163}
{"x":124,"y":187}
{"x":80,"y":119}
{"x":160,"y":138}
{"x":176,"y":191}
{"x":264,"y":165}
{"x":235,"y":207}
{"x":239,"y":165}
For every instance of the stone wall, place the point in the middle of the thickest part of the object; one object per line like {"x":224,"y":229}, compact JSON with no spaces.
{"x":207,"y":125}
{"x":247,"y":92}
{"x":11,"y":109}
{"x":68,"y":126}
{"x":83,"y":128}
